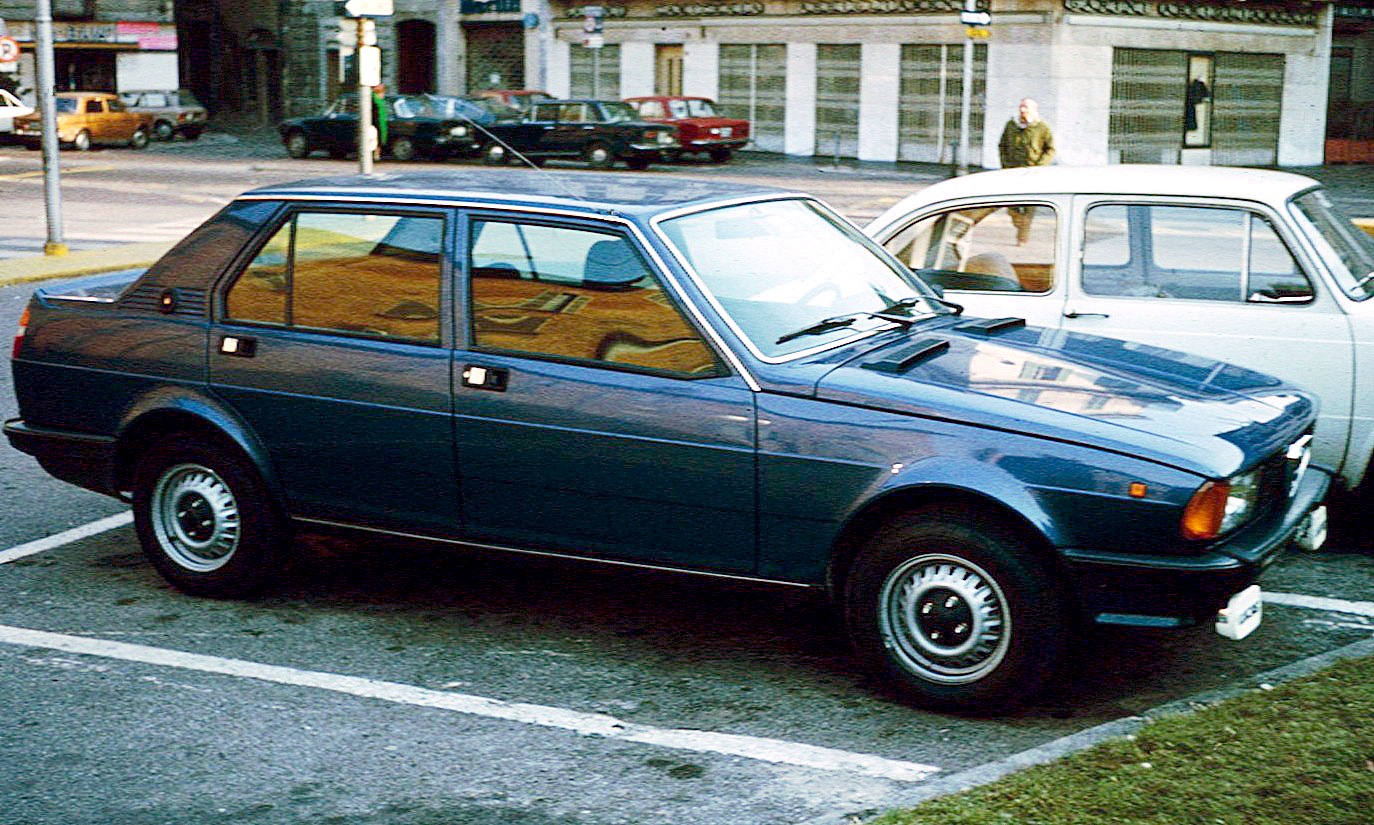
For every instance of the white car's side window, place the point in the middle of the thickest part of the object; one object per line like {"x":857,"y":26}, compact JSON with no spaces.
{"x":986,"y":248}
{"x":1188,"y":252}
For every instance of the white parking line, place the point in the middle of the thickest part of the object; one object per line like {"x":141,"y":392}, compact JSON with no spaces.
{"x":66,"y":537}
{"x":1321,"y":603}
{"x":586,"y":724}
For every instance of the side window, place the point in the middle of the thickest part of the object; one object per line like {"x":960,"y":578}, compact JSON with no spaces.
{"x":577,"y":294}
{"x":376,"y":275}
{"x":115,"y":105}
{"x":94,"y":107}
{"x":572,"y":113}
{"x":1188,"y":252}
{"x":545,"y":112}
{"x":985,"y":248}
{"x":652,"y":109}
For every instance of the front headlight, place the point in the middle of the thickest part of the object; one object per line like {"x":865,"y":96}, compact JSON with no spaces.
{"x":1218,"y":507}
{"x":459,"y":131}
{"x":660,"y":137}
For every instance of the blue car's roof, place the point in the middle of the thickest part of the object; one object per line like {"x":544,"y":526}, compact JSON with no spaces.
{"x":581,"y":191}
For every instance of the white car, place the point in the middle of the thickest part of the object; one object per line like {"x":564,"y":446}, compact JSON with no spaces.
{"x":1253,"y":267}
{"x":10,"y":108}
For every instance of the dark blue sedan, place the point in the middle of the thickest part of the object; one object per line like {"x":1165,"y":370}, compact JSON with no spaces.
{"x":693,"y":376}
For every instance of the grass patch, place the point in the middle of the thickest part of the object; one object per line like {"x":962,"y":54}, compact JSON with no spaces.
{"x":1301,"y":753}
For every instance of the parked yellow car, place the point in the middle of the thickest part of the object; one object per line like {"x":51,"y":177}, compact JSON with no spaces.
{"x":85,"y":119}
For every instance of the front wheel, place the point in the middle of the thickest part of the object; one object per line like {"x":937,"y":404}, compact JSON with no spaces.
{"x":163,"y":130}
{"x":720,"y":155}
{"x":638,"y":164}
{"x":495,"y":155}
{"x":205,"y":520}
{"x":139,"y":140}
{"x":82,"y":141}
{"x":957,"y":611}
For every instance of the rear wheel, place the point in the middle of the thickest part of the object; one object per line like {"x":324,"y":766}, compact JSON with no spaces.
{"x":164,"y":130}
{"x":139,"y":140}
{"x":191,"y":134}
{"x":720,"y":155}
{"x":297,"y":146}
{"x":403,"y":149}
{"x":638,"y":164}
{"x":599,"y":156}
{"x":204,"y":518}
{"x":82,"y":141}
{"x":957,"y":611}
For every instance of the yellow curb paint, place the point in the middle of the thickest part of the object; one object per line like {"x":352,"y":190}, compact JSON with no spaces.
{"x":84,"y":262}
{"x":38,"y":173}
{"x":1367,"y":224}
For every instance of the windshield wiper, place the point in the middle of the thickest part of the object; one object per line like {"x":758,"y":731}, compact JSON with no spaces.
{"x":840,"y":321}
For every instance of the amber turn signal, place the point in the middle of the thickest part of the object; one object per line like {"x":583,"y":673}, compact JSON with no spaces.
{"x":1203,"y":516}
{"x":19,"y":333}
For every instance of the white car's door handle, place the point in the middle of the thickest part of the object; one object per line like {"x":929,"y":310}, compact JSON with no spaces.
{"x":1073,"y":313}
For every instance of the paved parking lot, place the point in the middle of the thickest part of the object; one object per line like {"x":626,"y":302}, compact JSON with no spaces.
{"x":393,"y":683}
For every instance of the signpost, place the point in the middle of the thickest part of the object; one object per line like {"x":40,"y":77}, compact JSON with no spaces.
{"x":975,"y":27}
{"x":47,"y":84}
{"x":369,"y":62}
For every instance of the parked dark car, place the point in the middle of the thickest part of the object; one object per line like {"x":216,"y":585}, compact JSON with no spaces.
{"x":700,"y":125}
{"x":710,"y":378}
{"x":597,"y":131}
{"x":520,"y":99}
{"x":174,"y":112}
{"x":418,"y":126}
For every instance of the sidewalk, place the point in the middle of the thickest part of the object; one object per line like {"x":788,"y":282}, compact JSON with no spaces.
{"x":85,"y":262}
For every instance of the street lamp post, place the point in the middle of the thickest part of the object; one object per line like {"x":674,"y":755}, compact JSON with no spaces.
{"x":47,"y":83}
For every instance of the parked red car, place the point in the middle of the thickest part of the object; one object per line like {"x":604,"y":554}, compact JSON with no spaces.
{"x":700,"y":127}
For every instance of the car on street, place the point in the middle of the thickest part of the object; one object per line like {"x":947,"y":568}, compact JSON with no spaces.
{"x":705,"y":377}
{"x":597,"y":131}
{"x":85,"y":119}
{"x":418,"y":126}
{"x":1254,"y":267}
{"x":700,"y":125}
{"x":174,"y":112}
{"x":520,"y":99}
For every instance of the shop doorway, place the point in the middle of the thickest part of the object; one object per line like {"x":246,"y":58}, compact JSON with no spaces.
{"x":668,"y":69}
{"x":496,"y":56}
{"x":415,"y":40}
{"x":87,"y":70}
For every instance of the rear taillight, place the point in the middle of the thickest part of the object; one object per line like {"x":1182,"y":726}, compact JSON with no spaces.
{"x":19,"y":333}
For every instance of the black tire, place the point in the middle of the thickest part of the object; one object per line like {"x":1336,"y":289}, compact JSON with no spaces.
{"x":82,"y":141}
{"x":721,"y":155}
{"x":494,"y":154}
{"x":205,"y":518}
{"x":956,"y":611}
{"x":139,"y":140}
{"x":637,"y":164}
{"x":337,"y":154}
{"x":164,"y":130}
{"x":599,"y":156}
{"x":672,"y":156}
{"x":403,"y":149}
{"x":192,"y":133}
{"x":297,"y":144}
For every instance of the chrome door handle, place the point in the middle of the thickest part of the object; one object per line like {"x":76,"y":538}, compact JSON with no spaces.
{"x":1076,"y":314}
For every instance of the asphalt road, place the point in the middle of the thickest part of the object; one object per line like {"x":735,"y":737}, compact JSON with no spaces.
{"x":389,"y":683}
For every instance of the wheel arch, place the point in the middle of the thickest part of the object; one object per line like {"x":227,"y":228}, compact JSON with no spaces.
{"x":155,"y":418}
{"x":864,"y":523}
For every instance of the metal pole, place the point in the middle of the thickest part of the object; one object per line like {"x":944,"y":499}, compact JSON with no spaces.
{"x":47,"y":83}
{"x":364,"y":106}
{"x":965,"y":101}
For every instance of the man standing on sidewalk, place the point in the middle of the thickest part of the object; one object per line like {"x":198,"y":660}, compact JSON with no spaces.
{"x":1026,"y":141}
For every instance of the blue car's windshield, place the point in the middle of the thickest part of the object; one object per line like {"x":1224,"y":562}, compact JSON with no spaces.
{"x":790,"y":275}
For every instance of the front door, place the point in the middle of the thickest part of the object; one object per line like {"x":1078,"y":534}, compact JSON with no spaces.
{"x":592,"y":415}
{"x":668,"y":69}
{"x":330,"y":345}
{"x":1218,"y":280}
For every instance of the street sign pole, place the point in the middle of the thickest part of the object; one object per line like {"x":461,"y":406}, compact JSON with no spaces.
{"x":364,"y":103}
{"x":975,"y":23}
{"x":52,"y":188}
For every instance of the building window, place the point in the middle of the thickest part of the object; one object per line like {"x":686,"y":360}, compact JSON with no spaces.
{"x":596,"y":72}
{"x":931,"y":95}
{"x":837,"y":99}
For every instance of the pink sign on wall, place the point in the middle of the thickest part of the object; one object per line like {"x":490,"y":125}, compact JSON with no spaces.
{"x":148,"y":36}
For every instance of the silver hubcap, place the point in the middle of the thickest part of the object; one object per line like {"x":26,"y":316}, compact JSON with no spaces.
{"x":600,"y":155}
{"x":195,"y":517}
{"x":297,"y":143}
{"x":945,"y":619}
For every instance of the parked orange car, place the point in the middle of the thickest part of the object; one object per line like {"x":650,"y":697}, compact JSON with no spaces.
{"x":85,"y":119}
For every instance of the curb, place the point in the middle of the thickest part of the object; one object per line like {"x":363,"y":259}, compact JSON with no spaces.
{"x":1367,"y":224}
{"x":86,"y":262}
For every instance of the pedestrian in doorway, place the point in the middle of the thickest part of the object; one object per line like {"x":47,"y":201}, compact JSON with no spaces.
{"x":1026,"y":141}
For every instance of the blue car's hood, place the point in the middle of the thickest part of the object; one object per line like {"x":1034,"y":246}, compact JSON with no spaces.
{"x":1177,"y":409}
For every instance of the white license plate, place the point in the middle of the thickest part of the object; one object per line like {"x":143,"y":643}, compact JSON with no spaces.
{"x":1242,"y":614}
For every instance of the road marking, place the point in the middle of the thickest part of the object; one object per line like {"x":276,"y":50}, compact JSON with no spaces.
{"x":775,"y":751}
{"x":1321,"y":603}
{"x":38,"y":173}
{"x":66,"y":537}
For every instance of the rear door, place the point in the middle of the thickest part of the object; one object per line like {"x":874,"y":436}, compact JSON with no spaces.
{"x":1217,"y":279}
{"x":330,"y":343}
{"x":592,"y":415}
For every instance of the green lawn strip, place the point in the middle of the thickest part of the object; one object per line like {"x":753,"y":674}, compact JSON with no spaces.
{"x":1301,"y":753}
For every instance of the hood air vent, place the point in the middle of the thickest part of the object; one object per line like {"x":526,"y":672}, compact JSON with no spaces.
{"x":909,"y":356}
